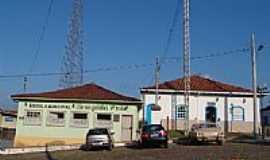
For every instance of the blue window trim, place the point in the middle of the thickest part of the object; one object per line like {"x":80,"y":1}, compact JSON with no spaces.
{"x":243,"y":112}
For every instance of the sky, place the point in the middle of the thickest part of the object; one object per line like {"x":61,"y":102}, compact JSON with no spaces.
{"x":126,"y":32}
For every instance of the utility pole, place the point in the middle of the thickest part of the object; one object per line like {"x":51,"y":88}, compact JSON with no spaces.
{"x":186,"y":63}
{"x":254,"y":83}
{"x":157,"y":77}
{"x":24,"y":84}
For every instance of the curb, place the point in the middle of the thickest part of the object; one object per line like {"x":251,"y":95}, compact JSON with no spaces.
{"x":10,"y":151}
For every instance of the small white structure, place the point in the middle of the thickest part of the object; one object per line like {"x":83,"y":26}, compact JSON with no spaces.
{"x":210,"y":101}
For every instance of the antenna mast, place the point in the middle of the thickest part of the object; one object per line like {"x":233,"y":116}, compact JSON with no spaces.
{"x":72,"y":64}
{"x":186,"y":63}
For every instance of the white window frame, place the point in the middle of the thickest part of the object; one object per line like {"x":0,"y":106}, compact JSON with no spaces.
{"x":103,"y":123}
{"x":180,"y":112}
{"x":79,"y":123}
{"x":32,"y":120}
{"x":57,"y":124}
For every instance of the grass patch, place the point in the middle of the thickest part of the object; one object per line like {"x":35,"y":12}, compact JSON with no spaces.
{"x":176,"y":134}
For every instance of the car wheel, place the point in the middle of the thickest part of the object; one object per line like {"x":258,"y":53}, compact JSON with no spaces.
{"x":220,"y":142}
{"x":88,"y":148}
{"x":109,"y":148}
{"x":143,"y":144}
{"x":164,"y":145}
{"x":192,"y":141}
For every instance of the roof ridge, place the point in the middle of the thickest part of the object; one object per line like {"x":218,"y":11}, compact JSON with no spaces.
{"x":112,"y":91}
{"x":89,"y":91}
{"x":208,"y":84}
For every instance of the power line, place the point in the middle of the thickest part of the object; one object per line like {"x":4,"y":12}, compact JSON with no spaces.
{"x":107,"y":69}
{"x":170,"y":34}
{"x":168,"y":41}
{"x":42,"y":35}
{"x":128,"y":67}
{"x":236,"y":51}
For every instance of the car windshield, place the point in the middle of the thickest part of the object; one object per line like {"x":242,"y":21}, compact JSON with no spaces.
{"x":153,"y":128}
{"x":98,"y":131}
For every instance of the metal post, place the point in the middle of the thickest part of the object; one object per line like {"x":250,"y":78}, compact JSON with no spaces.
{"x":24,"y":84}
{"x":186,"y":60}
{"x":143,"y":110}
{"x":157,"y":74}
{"x":254,"y":83}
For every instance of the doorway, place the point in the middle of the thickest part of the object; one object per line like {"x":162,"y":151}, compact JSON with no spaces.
{"x":126,"y":132}
{"x":211,"y":114}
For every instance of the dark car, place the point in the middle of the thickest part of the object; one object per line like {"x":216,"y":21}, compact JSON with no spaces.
{"x":153,"y":135}
{"x":99,"y":138}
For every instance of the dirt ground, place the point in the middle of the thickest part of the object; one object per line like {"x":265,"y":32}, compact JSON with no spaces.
{"x":230,"y":151}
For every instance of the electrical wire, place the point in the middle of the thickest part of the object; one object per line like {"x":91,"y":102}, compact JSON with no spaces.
{"x":107,"y":69}
{"x":236,"y":51}
{"x":129,"y":67}
{"x":42,"y":35}
{"x":171,"y":30}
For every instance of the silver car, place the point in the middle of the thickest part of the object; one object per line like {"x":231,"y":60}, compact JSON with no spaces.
{"x":205,"y":132}
{"x":99,"y":138}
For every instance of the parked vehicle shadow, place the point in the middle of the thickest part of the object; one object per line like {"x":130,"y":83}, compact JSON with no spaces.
{"x":256,"y":142}
{"x":48,"y":154}
{"x":188,"y":142}
{"x":83,"y":147}
{"x":247,"y":139}
{"x":138,"y":146}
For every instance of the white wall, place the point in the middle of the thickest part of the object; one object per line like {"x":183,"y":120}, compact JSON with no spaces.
{"x":165,"y":103}
{"x":248,"y":106}
{"x":198,"y":105}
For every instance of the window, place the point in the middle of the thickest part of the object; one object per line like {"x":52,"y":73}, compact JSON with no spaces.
{"x":9,"y":119}
{"x":32,"y":118}
{"x":104,"y":121}
{"x":104,"y":117}
{"x":238,"y":113}
{"x":32,"y":114}
{"x":79,"y":120}
{"x":116,"y":117}
{"x":180,"y":112}
{"x":79,"y":115}
{"x":56,"y":119}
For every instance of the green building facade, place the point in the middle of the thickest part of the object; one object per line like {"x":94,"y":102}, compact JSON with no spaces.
{"x":65,"y":116}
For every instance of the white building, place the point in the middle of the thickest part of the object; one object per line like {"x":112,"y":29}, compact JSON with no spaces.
{"x":230,"y":106}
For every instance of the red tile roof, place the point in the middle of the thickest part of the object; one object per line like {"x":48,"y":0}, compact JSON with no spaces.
{"x":85,"y":92}
{"x":199,"y":83}
{"x":8,"y":112}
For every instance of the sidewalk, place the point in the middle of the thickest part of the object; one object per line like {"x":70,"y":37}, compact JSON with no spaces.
{"x":6,"y":151}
